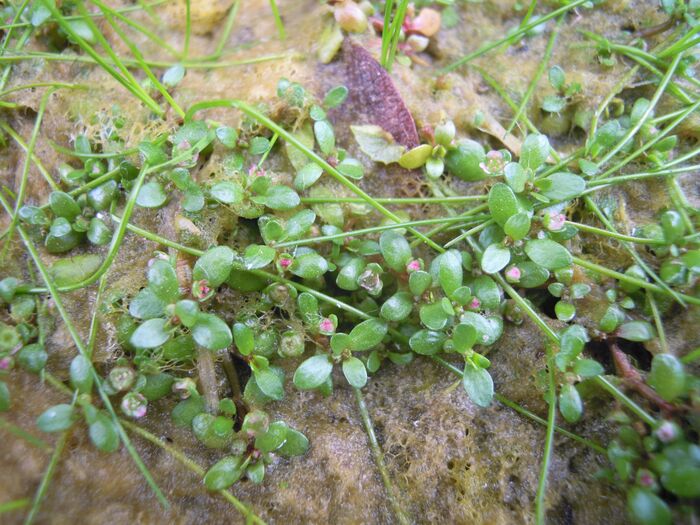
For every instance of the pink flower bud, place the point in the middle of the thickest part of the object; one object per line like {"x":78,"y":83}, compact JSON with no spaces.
{"x":413,"y":266}
{"x":513,"y":274}
{"x":285,"y":262}
{"x":556,"y":221}
{"x":475,"y":304}
{"x":326,"y":325}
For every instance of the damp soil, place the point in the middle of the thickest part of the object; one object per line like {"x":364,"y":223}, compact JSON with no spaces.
{"x":451,"y":461}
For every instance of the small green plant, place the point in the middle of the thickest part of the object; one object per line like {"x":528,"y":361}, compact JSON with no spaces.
{"x":289,"y":276}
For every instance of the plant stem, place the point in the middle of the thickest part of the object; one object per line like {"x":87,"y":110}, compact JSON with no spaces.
{"x":395,"y":200}
{"x":366,"y":231}
{"x":48,"y":475}
{"x":378,"y":455}
{"x":99,"y":60}
{"x":188,"y":29}
{"x":23,"y":434}
{"x":614,"y":235}
{"x":207,"y":378}
{"x":538,"y":74}
{"x":540,"y":506}
{"x":278,"y":20}
{"x":14,"y":505}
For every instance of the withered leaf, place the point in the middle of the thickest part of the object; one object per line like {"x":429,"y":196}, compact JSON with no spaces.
{"x":374,"y":95}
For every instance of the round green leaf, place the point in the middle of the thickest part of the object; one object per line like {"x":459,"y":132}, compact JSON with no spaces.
{"x":646,"y":508}
{"x":281,"y":198}
{"x":419,"y":281}
{"x":313,"y":372}
{"x":488,"y":329}
{"x":415,"y":157}
{"x":324,"y":136}
{"x":56,"y":418}
{"x":588,"y":368}
{"x":570,"y":404}
{"x":426,"y":342}
{"x":173,"y":75}
{"x":464,"y":160}
{"x":349,"y":274}
{"x":150,"y":334}
{"x":564,"y":311}
{"x":548,"y":254}
{"x":478,"y":384}
{"x":63,"y":205}
{"x":355,"y":372}
{"x":81,"y":374}
{"x":211,"y":332}
{"x":228,"y":136}
{"x":147,"y":305}
{"x":224,"y":473}
{"x":517,"y":226}
{"x":639,"y":331}
{"x":534,"y":151}
{"x":274,"y":438}
{"x":397,"y":307}
{"x":495,"y":258}
{"x":561,"y":186}
{"x":450,"y":271}
{"x":270,"y":383}
{"x":258,"y":256}
{"x":395,"y":250}
{"x":214,"y":266}
{"x":103,"y":433}
{"x":151,"y":195}
{"x":367,"y":334}
{"x":307,"y":176}
{"x":32,"y":358}
{"x":227,"y":192}
{"x":667,"y":376}
{"x":433,"y":316}
{"x":296,"y":445}
{"x":98,"y":233}
{"x":335,"y":97}
{"x":464,"y":337}
{"x":502,"y":203}
{"x":683,"y":481}
{"x":309,"y":266}
{"x":351,"y":168}
{"x":244,"y":337}
{"x":157,"y":386}
{"x":162,"y":279}
{"x":185,"y":411}
{"x":187,"y":311}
